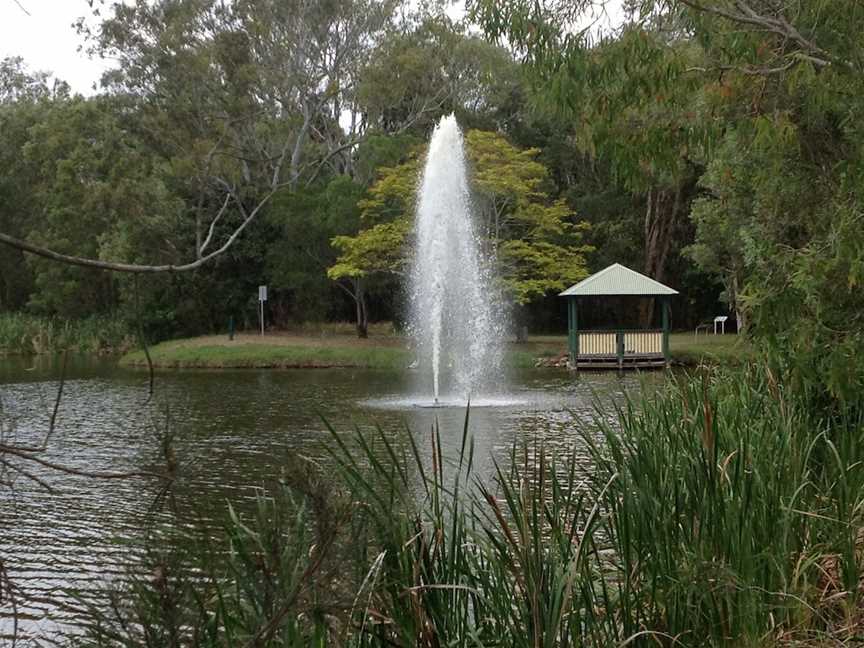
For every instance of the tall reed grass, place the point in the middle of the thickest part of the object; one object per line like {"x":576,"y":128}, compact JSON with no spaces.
{"x":736,"y":514}
{"x":719,"y":511}
{"x":34,"y":335}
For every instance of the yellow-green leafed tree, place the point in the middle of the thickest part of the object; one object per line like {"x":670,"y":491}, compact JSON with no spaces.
{"x":536,"y":241}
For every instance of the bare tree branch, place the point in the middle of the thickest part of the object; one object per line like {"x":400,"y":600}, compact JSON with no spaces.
{"x":745,"y":69}
{"x":213,"y":226}
{"x":52,"y":423}
{"x":30,"y":455}
{"x":143,"y":339}
{"x":38,"y":250}
{"x":21,"y":7}
{"x":8,"y":587}
{"x":11,"y":466}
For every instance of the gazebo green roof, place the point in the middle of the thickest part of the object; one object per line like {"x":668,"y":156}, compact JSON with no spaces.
{"x":618,"y":280}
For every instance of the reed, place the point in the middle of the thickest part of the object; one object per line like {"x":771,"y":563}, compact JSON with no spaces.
{"x":34,"y":335}
{"x":509,"y":563}
{"x":720,"y":510}
{"x":735,"y":515}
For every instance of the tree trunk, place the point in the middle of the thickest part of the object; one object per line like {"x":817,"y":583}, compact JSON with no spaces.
{"x":362,"y":315}
{"x":520,"y":316}
{"x":661,"y":217}
{"x":740,"y":317}
{"x":297,"y":153}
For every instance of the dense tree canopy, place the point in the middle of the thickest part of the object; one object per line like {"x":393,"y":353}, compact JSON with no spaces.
{"x":715,"y":146}
{"x":748,"y":112}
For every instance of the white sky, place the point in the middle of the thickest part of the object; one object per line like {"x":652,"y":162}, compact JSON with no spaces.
{"x":47,"y":41}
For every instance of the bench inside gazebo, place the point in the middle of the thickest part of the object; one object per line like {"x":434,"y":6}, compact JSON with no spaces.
{"x":617,"y":348}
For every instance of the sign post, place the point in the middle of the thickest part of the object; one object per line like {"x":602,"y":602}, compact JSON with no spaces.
{"x":262,"y":297}
{"x":721,"y":320}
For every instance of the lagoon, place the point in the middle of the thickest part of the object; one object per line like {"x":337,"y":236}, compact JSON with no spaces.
{"x":235,"y":431}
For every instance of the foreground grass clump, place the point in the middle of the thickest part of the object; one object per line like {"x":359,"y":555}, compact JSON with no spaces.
{"x":719,"y":511}
{"x":735,"y":515}
{"x":35,"y":335}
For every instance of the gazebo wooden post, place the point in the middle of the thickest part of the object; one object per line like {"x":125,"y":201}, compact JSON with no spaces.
{"x":665,"y":309}
{"x":573,"y":330}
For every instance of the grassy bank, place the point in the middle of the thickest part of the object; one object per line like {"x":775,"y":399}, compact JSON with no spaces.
{"x":293,"y":350}
{"x":685,"y":348}
{"x":34,"y":335}
{"x":337,"y":347}
{"x":195,"y":354}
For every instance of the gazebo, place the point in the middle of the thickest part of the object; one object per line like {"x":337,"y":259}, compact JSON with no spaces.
{"x":617,"y":348}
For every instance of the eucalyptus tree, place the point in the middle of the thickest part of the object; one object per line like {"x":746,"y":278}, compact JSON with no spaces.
{"x":241,"y":99}
{"x":24,"y":96}
{"x":769,"y":94}
{"x":438,"y":67}
{"x":631,"y":107}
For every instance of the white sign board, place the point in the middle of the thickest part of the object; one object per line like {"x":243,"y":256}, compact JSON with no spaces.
{"x":262,"y":293}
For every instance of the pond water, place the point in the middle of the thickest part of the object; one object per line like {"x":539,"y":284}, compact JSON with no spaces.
{"x":235,"y":430}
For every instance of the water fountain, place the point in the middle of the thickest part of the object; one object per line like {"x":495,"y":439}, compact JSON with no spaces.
{"x":458,"y":335}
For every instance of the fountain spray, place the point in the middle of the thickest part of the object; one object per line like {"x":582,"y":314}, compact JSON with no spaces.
{"x":458,"y":341}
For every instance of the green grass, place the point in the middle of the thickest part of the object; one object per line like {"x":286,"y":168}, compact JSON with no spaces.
{"x":736,"y":512}
{"x":291,"y":352}
{"x":336,"y":347}
{"x":264,"y":356}
{"x":33,"y":335}
{"x":721,"y":510}
{"x":688,"y":349}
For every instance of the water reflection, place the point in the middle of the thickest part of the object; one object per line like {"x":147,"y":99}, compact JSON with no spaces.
{"x":235,"y":430}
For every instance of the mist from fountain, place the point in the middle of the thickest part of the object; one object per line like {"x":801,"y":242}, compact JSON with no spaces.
{"x":458,"y":335}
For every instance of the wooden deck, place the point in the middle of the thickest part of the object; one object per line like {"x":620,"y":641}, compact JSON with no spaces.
{"x":611,"y":362}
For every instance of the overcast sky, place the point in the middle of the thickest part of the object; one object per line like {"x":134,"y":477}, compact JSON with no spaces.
{"x":47,"y":41}
{"x":41,"y":32}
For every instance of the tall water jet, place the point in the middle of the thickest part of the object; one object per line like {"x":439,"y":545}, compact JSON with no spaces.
{"x":456,"y":332}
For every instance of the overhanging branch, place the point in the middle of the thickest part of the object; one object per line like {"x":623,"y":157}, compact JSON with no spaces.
{"x":778,"y":25}
{"x":113,"y":266}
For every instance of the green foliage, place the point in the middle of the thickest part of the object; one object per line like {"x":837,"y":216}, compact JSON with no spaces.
{"x":297,"y":260}
{"x":102,"y":195}
{"x":510,"y":563}
{"x":33,"y":335}
{"x":759,"y":103}
{"x":535,"y":239}
{"x":735,"y":511}
{"x":381,"y":248}
{"x":264,"y":578}
{"x":437,"y":68}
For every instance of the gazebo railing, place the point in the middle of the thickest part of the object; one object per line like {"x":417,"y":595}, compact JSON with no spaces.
{"x":621,"y":343}
{"x":597,"y":343}
{"x":643,"y":342}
